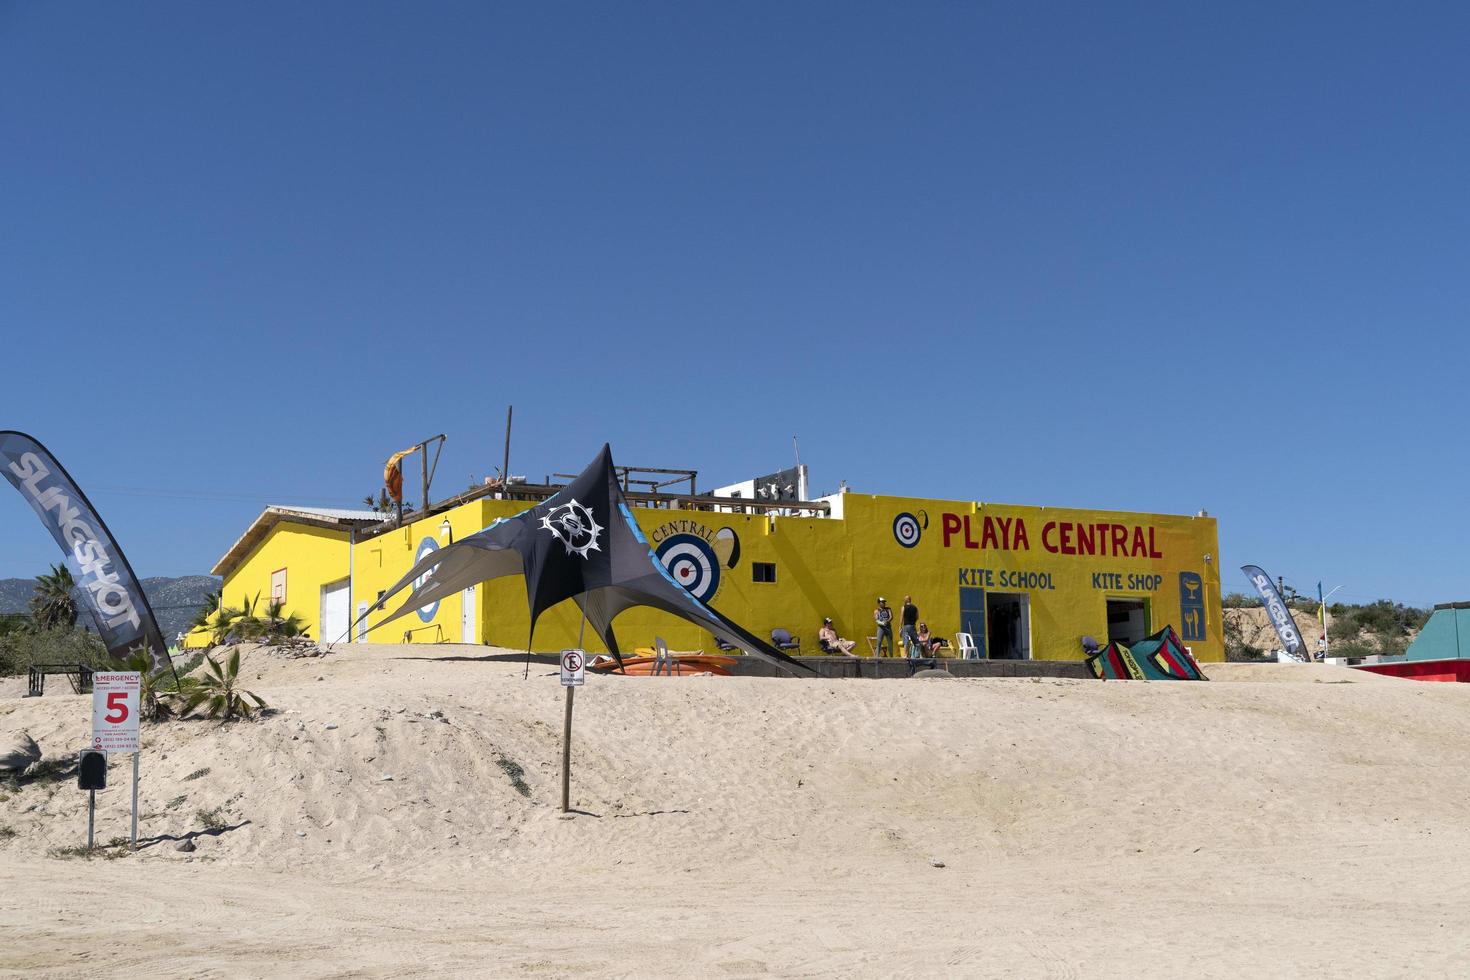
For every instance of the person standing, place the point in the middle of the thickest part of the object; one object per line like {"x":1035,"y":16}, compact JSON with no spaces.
{"x":909,"y":630}
{"x":883,"y":616}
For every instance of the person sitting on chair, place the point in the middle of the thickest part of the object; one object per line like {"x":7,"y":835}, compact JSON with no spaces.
{"x":831,"y":643}
{"x":929,"y":643}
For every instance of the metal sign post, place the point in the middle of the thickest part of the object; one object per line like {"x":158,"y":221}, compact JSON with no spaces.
{"x":573,"y":676}
{"x":91,"y":776}
{"x":115,"y":725}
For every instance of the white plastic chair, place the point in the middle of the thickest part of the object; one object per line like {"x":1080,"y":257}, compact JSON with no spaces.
{"x":663,"y":661}
{"x":968,"y":649}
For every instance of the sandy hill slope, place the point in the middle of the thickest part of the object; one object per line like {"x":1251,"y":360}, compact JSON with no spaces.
{"x":1300,"y":820}
{"x":1256,"y":630}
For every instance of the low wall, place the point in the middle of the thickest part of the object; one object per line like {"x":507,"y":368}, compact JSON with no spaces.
{"x":897,"y":667}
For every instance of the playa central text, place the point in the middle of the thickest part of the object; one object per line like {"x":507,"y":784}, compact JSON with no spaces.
{"x":1058,"y":537}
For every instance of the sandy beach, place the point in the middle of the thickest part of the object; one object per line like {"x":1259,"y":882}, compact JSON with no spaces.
{"x":1280,"y":820}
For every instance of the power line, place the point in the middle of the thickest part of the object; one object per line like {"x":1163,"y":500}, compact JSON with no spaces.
{"x":216,"y":495}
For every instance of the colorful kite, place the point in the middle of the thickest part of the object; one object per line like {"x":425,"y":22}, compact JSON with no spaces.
{"x":1160,"y":657}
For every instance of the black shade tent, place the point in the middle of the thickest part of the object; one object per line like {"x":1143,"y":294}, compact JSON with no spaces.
{"x":583,"y":544}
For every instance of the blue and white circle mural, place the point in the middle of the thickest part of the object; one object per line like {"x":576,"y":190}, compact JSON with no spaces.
{"x":426,"y":547}
{"x":692,"y":563}
{"x":906,"y":529}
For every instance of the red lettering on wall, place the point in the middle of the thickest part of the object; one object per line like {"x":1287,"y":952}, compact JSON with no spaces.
{"x":1057,"y":537}
{"x":1046,"y":529}
{"x":950,"y":523}
{"x":987,"y":535}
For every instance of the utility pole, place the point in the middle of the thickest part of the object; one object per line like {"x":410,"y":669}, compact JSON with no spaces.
{"x":505,"y":466}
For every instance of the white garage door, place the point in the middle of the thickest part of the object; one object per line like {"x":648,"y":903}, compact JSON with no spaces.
{"x":336,"y":612}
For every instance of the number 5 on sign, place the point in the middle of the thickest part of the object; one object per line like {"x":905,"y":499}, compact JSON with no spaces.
{"x":115,"y":710}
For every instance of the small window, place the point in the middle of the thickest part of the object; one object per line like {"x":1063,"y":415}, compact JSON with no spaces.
{"x":278,"y":586}
{"x":763,"y":571}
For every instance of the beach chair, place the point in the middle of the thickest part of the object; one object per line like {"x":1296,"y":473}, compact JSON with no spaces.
{"x":663,"y":661}
{"x":783,"y":640}
{"x":966,"y":645}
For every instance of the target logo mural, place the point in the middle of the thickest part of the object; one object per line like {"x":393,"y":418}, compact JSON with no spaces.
{"x":692,"y":563}
{"x":909,"y":528}
{"x":426,"y":547}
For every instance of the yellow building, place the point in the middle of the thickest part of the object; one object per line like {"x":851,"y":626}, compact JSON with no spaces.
{"x":299,"y":556}
{"x":1023,"y":582}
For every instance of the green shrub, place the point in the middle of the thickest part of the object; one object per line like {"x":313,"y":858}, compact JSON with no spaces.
{"x":111,"y":851}
{"x":20,"y":649}
{"x":1388,"y":619}
{"x":1342,"y":628}
{"x":1355,"y":648}
{"x":218,"y":692}
{"x":215,"y":819}
{"x":517,"y":775}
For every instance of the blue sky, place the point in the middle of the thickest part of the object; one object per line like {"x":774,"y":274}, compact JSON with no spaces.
{"x":1155,"y":257}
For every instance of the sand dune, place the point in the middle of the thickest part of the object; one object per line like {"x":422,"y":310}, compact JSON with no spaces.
{"x":1280,"y":823}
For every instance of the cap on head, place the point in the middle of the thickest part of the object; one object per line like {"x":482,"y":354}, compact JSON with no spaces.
{"x":827,"y":620}
{"x":881,"y":600}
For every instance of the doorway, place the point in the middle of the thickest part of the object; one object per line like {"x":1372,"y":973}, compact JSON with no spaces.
{"x":468,"y":633}
{"x":335,"y":612}
{"x":1008,"y":626}
{"x":1127,"y":621}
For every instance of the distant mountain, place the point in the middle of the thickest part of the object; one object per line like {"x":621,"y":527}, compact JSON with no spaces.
{"x":174,"y":600}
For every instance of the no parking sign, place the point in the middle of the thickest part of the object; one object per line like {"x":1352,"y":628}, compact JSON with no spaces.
{"x":573,"y":668}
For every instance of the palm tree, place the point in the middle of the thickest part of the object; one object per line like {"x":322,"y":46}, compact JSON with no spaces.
{"x":222,"y":624}
{"x":52,"y":604}
{"x":153,"y":697}
{"x":246,"y":625}
{"x":218,"y":693}
{"x":212,"y":602}
{"x":277,"y":625}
